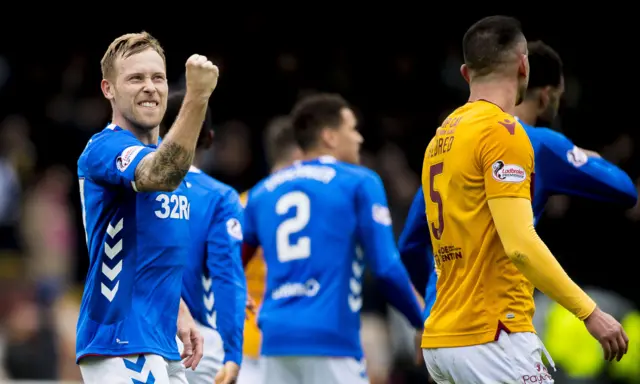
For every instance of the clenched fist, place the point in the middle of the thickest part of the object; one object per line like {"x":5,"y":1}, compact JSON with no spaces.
{"x":202,"y":76}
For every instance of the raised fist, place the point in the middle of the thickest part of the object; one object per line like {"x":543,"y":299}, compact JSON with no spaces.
{"x":202,"y":76}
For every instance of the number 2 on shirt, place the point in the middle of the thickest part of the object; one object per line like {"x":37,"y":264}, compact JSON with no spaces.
{"x":435,"y":170}
{"x":302,"y":248}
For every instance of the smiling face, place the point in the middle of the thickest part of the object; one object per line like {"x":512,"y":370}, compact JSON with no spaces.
{"x":138,"y":89}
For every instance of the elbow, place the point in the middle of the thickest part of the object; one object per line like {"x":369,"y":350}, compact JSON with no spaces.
{"x":517,"y":253}
{"x":159,"y":180}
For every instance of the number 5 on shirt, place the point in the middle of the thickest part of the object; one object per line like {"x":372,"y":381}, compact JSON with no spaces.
{"x":302,"y":248}
{"x":434,"y":171}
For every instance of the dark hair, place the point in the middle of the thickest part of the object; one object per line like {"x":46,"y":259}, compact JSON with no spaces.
{"x":279,"y":139}
{"x":488,"y":41}
{"x":545,"y":64}
{"x":174,"y":103}
{"x":314,"y":113}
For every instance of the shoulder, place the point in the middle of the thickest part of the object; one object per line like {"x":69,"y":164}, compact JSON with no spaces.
{"x":355,"y":173}
{"x":213,"y":188}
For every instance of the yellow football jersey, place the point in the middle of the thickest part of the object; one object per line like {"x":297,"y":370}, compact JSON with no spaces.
{"x":255,"y":273}
{"x":478,"y":153}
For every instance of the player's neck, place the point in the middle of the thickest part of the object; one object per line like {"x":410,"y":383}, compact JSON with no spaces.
{"x":526,"y":112}
{"x":146,"y":136}
{"x":197,"y":159}
{"x":278,"y":166}
{"x":315,"y":153}
{"x":497,"y":91}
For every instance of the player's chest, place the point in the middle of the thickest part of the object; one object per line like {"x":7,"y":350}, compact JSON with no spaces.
{"x":164,"y":206}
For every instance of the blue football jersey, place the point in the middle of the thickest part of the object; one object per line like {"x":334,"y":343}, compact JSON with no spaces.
{"x":138,"y":243}
{"x":214,"y":285}
{"x":560,"y":168}
{"x":319,"y":222}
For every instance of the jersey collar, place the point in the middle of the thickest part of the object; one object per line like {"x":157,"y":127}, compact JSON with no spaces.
{"x":116,"y":128}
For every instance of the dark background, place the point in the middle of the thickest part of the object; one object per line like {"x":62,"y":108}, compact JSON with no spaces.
{"x":397,"y":65}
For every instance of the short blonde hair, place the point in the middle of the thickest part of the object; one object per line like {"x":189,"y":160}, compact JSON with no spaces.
{"x":125,"y":46}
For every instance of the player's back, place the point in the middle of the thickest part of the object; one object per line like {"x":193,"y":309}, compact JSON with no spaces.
{"x":137,"y":249}
{"x":479,"y":289}
{"x":305,"y":220}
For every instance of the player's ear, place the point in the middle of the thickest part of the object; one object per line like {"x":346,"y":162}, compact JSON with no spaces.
{"x":207,"y":139}
{"x":329,"y":138}
{"x":464,"y":70}
{"x":543,"y":98}
{"x":107,"y":89}
{"x":523,"y":66}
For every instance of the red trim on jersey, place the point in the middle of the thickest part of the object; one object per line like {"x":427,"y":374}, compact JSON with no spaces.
{"x":501,"y":327}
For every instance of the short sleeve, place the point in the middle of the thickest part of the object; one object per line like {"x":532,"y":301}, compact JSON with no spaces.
{"x":112,"y":158}
{"x":506,"y":157}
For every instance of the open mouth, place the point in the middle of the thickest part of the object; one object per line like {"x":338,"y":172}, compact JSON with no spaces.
{"x":148,"y":104}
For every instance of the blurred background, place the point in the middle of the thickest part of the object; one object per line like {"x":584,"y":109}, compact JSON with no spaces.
{"x":398,"y":67}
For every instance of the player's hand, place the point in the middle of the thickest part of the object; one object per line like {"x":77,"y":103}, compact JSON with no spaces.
{"x":202,"y":76}
{"x":251,"y":306}
{"x":192,"y":340}
{"x":228,"y":374}
{"x":591,"y":153}
{"x":604,"y":328}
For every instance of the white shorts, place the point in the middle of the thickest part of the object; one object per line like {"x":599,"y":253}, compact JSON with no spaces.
{"x":250,"y":372}
{"x":212,"y":358}
{"x":137,"y":369}
{"x":514,"y":358}
{"x":313,"y":370}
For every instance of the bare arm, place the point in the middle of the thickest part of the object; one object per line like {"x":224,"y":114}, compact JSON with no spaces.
{"x":165,"y":169}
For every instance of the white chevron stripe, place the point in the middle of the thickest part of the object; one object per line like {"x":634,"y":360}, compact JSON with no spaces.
{"x":113,"y":252}
{"x":208,"y":301}
{"x":212,"y":319}
{"x":112,"y":273}
{"x":112,"y":231}
{"x":356,"y":287}
{"x":355,"y":303}
{"x":357,"y":269}
{"x":109,"y":293}
{"x":206,"y":283}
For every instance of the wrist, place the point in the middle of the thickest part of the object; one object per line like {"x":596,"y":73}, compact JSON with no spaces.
{"x":198,"y":98}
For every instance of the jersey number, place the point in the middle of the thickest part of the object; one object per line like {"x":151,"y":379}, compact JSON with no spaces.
{"x":174,"y":207}
{"x":434,"y":171}
{"x":302,"y":248}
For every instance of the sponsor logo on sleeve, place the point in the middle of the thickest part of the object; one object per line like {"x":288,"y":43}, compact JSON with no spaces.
{"x":126,"y":157}
{"x":577,"y":157}
{"x":508,"y":173}
{"x":381,"y":214}
{"x":234,"y":229}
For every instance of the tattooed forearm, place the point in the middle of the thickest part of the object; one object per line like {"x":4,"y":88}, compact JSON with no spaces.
{"x":165,"y":169}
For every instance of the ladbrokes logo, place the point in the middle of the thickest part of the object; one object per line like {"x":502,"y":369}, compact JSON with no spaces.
{"x":508,"y":173}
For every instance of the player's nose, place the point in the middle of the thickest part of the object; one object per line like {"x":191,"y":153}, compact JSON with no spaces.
{"x":149,"y":86}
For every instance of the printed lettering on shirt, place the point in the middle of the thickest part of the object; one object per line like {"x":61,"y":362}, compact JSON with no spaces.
{"x":508,"y":173}
{"x":234,"y":229}
{"x":381,"y":214}
{"x":309,"y":288}
{"x":127,"y":156}
{"x":173,"y":207}
{"x":577,"y":157}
